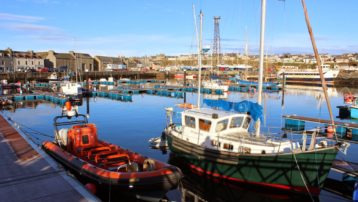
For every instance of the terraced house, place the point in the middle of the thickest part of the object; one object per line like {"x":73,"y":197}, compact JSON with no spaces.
{"x":68,"y":61}
{"x":5,"y":62}
{"x":20,"y":61}
{"x":104,"y":63}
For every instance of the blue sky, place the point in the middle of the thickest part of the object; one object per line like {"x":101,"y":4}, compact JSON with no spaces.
{"x":148,"y":27}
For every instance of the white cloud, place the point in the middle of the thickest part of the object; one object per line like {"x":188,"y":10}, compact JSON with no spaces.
{"x":28,"y":27}
{"x":19,"y":18}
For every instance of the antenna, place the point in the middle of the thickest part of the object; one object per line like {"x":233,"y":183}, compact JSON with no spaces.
{"x":217,"y":44}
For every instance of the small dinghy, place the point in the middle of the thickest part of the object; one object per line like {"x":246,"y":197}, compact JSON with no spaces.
{"x":158,"y":142}
{"x":79,"y":149}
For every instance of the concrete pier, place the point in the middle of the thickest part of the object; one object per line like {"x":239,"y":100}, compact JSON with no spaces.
{"x":28,"y":174}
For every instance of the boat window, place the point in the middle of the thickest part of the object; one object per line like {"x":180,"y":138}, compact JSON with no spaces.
{"x":236,"y":122}
{"x":215,"y":143}
{"x":247,"y":122}
{"x":204,"y":125}
{"x":222,"y":125}
{"x":190,"y":121}
{"x":228,"y":146}
{"x":85,"y":139}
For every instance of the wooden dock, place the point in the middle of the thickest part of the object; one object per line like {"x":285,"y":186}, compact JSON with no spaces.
{"x":322,"y":121}
{"x":28,"y":174}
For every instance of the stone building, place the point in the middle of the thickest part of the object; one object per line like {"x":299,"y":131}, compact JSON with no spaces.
{"x":5,"y":62}
{"x":83,"y":61}
{"x":20,"y":60}
{"x":68,"y":61}
{"x":58,"y":61}
{"x":101,"y":63}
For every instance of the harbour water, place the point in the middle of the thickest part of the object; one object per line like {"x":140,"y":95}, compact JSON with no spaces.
{"x":132,"y":124}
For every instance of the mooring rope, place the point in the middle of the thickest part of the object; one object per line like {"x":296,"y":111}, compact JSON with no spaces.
{"x":31,"y":133}
{"x":302,"y":177}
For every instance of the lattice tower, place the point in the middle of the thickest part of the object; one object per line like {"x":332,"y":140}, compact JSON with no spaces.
{"x":217,"y":42}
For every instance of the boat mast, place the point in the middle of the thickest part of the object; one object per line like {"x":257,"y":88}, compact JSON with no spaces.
{"x":261,"y":65}
{"x":76,"y":64}
{"x":318,"y":59}
{"x":199,"y":42}
{"x":246,"y":53}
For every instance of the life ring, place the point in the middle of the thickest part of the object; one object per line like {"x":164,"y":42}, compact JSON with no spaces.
{"x":330,"y":131}
{"x":148,"y":165}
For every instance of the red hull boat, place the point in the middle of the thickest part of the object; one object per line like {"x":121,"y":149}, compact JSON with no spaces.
{"x":79,"y":149}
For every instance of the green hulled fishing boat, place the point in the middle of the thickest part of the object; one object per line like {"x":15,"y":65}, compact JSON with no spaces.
{"x":217,"y":143}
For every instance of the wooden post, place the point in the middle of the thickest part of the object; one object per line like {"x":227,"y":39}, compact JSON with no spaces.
{"x":318,"y":59}
{"x":184,"y":86}
{"x":283,"y":89}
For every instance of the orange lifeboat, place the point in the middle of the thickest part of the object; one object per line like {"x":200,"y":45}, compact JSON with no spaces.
{"x":79,"y":149}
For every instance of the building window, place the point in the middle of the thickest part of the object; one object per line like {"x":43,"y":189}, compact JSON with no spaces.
{"x":39,"y":63}
{"x":18,"y":62}
{"x":25,"y":62}
{"x":3,"y":62}
{"x":32,"y":62}
{"x":90,"y":66}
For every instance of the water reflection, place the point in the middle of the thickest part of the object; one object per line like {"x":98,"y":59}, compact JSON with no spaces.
{"x":205,"y":188}
{"x":132,"y":124}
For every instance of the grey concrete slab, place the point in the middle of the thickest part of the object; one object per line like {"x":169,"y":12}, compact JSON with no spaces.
{"x":34,"y":179}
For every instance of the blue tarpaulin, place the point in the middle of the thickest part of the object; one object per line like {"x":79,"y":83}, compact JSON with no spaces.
{"x":254,"y":83}
{"x":254,"y":109}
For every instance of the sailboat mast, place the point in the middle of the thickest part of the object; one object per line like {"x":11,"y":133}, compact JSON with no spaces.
{"x":246,"y":53}
{"x":318,"y":59}
{"x":261,"y":65}
{"x":76,"y":64}
{"x":199,"y":37}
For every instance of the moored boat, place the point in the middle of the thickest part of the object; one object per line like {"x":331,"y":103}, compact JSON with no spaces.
{"x":215,"y":84}
{"x":218,"y":143}
{"x":308,"y":76}
{"x":181,"y":76}
{"x":79,"y":149}
{"x":354,"y":108}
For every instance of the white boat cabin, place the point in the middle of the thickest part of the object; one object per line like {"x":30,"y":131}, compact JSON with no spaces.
{"x":70,"y":88}
{"x":226,"y":131}
{"x":214,"y":122}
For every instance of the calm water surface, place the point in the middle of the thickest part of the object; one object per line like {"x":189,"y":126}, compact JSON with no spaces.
{"x":132,"y":124}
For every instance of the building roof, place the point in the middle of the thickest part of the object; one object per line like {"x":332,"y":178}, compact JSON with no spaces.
{"x":64,"y":56}
{"x":106,"y":59}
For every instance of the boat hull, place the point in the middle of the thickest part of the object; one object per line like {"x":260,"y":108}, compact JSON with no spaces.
{"x":164,"y":179}
{"x":354,"y":112}
{"x":275,"y":171}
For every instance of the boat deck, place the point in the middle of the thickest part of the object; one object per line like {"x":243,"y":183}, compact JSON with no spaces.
{"x":29,"y":175}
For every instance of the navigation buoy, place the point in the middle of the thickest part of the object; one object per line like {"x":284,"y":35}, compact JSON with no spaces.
{"x":91,"y":188}
{"x":330,"y":131}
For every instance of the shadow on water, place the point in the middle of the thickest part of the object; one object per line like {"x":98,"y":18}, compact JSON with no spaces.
{"x":200,"y":188}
